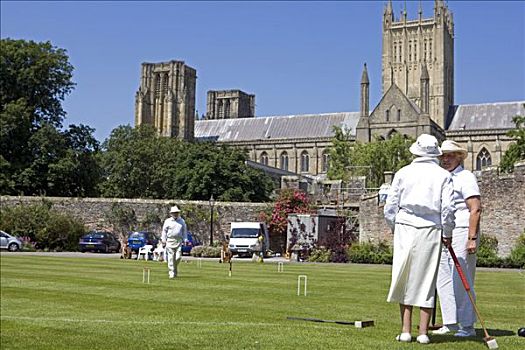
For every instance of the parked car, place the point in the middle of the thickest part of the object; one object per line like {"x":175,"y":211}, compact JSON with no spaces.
{"x":99,"y":241}
{"x":137,"y":240}
{"x":9,"y":242}
{"x":190,"y":243}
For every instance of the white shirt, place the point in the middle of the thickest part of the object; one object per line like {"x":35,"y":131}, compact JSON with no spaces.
{"x":421,"y":195}
{"x":174,"y":229}
{"x":465,"y":186}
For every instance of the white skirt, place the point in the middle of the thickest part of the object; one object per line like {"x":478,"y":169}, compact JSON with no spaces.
{"x":415,"y":265}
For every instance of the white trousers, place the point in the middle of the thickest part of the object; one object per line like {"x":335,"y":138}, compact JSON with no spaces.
{"x":174,"y":256}
{"x":415,"y":265}
{"x":455,"y":303}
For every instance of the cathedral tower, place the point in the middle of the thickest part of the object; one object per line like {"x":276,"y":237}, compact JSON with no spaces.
{"x":410,"y":45}
{"x":166,"y":99}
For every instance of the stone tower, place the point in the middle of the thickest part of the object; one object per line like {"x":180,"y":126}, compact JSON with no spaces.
{"x":226,"y":104}
{"x":166,"y":99}
{"x":410,"y":45}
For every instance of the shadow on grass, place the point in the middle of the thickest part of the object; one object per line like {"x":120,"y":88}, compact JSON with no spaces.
{"x":439,"y":339}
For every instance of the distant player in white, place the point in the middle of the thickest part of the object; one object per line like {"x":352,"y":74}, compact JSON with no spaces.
{"x":174,"y":234}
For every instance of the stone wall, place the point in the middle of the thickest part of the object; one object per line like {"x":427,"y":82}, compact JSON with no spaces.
{"x":93,"y":211}
{"x":503,"y":216}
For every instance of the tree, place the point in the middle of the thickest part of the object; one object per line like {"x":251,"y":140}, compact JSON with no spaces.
{"x":139,"y":163}
{"x":516,"y":151}
{"x":370,"y":159}
{"x":123,"y":219}
{"x":36,"y":157}
{"x":289,"y":201}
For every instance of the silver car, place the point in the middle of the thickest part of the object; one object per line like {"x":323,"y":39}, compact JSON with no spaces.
{"x":9,"y":242}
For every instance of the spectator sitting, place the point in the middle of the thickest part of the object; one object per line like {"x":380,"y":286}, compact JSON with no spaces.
{"x":158,"y":252}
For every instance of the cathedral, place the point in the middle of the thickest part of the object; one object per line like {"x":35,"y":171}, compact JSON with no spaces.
{"x":417,"y":97}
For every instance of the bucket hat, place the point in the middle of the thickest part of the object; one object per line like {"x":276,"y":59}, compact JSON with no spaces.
{"x":174,"y":209}
{"x":425,"y":146}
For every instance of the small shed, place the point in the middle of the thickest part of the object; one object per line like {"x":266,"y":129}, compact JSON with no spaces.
{"x":306,"y":230}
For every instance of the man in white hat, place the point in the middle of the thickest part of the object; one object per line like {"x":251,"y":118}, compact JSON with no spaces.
{"x":174,"y":233}
{"x":419,"y":209}
{"x":456,"y":309}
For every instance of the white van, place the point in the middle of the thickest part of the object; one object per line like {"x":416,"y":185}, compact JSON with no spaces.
{"x":244,"y":238}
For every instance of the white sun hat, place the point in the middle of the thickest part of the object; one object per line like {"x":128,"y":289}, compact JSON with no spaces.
{"x":174,"y":209}
{"x":449,"y":146}
{"x":425,"y":146}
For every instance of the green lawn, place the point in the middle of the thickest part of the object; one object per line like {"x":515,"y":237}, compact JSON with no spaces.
{"x":101,"y":303}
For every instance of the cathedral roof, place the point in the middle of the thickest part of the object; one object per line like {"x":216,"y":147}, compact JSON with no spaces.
{"x":486,"y":116}
{"x":303,"y":126}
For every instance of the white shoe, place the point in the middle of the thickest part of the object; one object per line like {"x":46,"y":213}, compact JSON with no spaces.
{"x":404,"y":337}
{"x":466,"y":332}
{"x":423,"y":339}
{"x":446,"y":329}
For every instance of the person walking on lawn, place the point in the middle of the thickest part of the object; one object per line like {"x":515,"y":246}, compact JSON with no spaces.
{"x":420,"y":210}
{"x":174,"y":234}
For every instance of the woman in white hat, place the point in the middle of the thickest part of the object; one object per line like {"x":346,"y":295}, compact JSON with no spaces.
{"x":419,"y":209}
{"x":456,"y":309}
{"x":174,"y":233}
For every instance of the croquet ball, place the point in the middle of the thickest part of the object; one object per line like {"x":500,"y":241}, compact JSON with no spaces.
{"x":521,"y":332}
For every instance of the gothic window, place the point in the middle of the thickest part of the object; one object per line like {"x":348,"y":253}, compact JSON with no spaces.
{"x":264,"y":158}
{"x":395,"y":52}
{"x":305,"y":162}
{"x":387,"y":115}
{"x":415,"y":51}
{"x":430,"y":49}
{"x":221,"y":109}
{"x":484,"y":159}
{"x":157,"y":85}
{"x":226,"y":109}
{"x":165,"y":83}
{"x":425,"y":51}
{"x":398,"y":115}
{"x":326,"y":161}
{"x":284,"y":161}
{"x":410,"y":50}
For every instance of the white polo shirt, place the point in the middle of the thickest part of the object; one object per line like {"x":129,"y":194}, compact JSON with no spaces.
{"x":174,"y":229}
{"x":465,"y":186}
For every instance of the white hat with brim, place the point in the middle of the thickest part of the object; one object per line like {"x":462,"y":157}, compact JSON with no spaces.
{"x":174,"y":209}
{"x":425,"y":146}
{"x":449,"y":146}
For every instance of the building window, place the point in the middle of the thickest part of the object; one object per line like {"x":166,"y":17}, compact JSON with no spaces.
{"x":415,"y":51}
{"x":326,"y":161}
{"x":398,"y":115}
{"x":157,"y":85}
{"x":425,"y":51}
{"x":220,"y":109}
{"x":410,"y":50}
{"x":264,"y":158}
{"x":484,"y":159}
{"x":430,"y":49}
{"x":165,"y":83}
{"x":284,"y":161}
{"x":387,"y":115}
{"x":305,"y":162}
{"x":395,"y":52}
{"x":226,"y":109}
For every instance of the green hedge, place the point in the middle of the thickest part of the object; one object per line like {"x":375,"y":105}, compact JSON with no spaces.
{"x":368,"y":253}
{"x":206,"y":251}
{"x":41,"y":227}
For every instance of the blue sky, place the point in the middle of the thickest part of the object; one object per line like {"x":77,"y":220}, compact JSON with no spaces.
{"x":296,"y":57}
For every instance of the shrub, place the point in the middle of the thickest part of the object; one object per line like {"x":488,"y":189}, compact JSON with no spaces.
{"x":517,"y":255}
{"x":322,"y":255}
{"x":368,"y":253}
{"x":42,"y":227}
{"x":487,"y":255}
{"x":206,"y":251}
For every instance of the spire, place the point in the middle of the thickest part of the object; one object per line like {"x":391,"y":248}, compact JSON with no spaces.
{"x":420,"y":11}
{"x":364,"y":76}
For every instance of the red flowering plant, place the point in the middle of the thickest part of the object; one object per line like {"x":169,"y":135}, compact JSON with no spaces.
{"x":289,"y":201}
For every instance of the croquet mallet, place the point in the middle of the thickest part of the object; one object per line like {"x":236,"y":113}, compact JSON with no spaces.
{"x":490,"y":341}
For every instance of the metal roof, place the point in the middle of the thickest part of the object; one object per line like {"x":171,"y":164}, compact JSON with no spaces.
{"x":304,"y":126}
{"x":486,"y":116}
